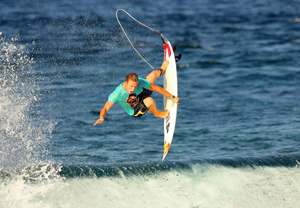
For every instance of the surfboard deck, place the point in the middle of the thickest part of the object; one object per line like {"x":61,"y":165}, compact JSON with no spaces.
{"x":170,"y":85}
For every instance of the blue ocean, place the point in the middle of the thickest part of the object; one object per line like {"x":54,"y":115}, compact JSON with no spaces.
{"x":237,"y":138}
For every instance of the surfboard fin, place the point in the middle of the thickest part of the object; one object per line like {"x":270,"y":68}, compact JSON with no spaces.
{"x":177,"y":58}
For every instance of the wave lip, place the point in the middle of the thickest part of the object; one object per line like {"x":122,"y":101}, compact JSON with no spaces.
{"x":51,"y":171}
{"x":148,"y":169}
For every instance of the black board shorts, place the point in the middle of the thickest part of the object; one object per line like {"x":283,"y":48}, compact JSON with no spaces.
{"x":141,"y":109}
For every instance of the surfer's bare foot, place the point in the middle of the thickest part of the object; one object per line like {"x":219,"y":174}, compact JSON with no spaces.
{"x":161,"y":114}
{"x":168,"y":113}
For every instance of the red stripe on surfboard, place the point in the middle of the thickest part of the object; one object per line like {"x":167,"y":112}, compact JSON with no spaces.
{"x":167,"y":50}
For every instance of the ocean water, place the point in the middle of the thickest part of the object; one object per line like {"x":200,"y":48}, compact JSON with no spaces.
{"x":237,"y":137}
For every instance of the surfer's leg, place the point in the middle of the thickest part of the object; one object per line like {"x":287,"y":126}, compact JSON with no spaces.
{"x":153,"y":75}
{"x":151,"y":105}
{"x":157,"y":72}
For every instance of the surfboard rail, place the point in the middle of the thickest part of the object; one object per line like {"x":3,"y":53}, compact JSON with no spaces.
{"x":170,"y":85}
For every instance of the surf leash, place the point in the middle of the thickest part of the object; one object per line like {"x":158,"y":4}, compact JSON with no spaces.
{"x":164,"y":40}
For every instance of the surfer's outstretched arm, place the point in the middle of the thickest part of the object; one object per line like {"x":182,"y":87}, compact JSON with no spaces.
{"x":162,"y":91}
{"x":103,"y":112}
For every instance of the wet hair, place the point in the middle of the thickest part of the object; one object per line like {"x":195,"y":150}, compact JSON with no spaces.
{"x":133,"y":77}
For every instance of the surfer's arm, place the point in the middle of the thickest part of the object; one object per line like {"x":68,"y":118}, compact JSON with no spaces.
{"x":103,"y":112}
{"x":162,"y":91}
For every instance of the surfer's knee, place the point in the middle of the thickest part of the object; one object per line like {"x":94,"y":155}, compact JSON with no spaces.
{"x":149,"y":102}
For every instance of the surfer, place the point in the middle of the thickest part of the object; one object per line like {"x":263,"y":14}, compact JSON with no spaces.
{"x":134,"y":95}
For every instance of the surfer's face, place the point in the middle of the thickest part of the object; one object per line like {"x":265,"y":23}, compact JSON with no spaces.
{"x":130,"y":86}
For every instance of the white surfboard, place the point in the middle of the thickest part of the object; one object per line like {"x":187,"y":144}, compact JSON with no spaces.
{"x":170,"y":85}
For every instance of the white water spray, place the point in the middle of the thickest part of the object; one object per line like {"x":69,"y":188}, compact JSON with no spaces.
{"x":22,"y":131}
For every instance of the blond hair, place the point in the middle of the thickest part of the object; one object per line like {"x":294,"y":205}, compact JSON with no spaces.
{"x":133,"y":77}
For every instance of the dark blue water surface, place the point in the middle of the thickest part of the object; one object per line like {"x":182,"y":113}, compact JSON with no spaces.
{"x":238,"y":124}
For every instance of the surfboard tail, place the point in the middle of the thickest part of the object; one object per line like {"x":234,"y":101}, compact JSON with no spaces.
{"x":163,"y":39}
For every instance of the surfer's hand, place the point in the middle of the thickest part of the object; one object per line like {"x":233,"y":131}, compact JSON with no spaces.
{"x":175,"y":101}
{"x":100,"y":120}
